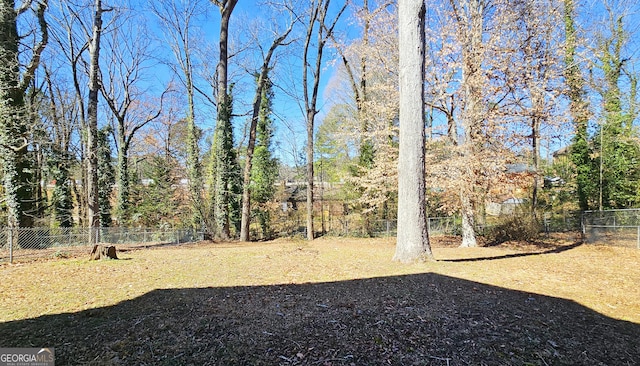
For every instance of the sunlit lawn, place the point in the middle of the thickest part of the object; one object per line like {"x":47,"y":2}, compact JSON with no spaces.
{"x":602,"y":278}
{"x":333,"y":301}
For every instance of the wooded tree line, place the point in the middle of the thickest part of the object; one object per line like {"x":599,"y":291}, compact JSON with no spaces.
{"x":167,"y":112}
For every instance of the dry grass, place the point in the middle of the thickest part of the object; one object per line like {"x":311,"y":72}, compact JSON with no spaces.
{"x":330,"y":302}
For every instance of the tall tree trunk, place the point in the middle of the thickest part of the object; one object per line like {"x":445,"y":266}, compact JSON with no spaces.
{"x":413,"y":236}
{"x":310,"y":176}
{"x":470,"y":29}
{"x":468,"y":221}
{"x":537,"y":52}
{"x":535,"y":150}
{"x":93,"y":209}
{"x":310,"y":109}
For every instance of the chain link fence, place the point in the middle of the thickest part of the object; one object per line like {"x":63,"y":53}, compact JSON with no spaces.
{"x":558,"y":222}
{"x":612,"y":227}
{"x":358,"y":226}
{"x":20,"y":244}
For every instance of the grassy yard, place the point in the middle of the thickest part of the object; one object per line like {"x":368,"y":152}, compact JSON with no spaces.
{"x":330,"y":302}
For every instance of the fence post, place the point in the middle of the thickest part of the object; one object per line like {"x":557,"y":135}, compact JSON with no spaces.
{"x":10,"y":245}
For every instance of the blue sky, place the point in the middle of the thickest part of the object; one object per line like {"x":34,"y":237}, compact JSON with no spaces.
{"x":290,"y":132}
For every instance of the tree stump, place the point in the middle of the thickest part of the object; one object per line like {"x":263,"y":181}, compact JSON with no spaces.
{"x":103,"y":252}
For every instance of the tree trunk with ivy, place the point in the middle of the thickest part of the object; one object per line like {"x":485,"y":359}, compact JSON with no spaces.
{"x":106,"y":177}
{"x":222,"y":148}
{"x":264,"y":172}
{"x":263,"y":88}
{"x":14,"y":129}
{"x":578,"y":109}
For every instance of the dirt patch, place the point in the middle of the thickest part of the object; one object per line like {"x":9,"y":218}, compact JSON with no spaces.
{"x":330,"y":302}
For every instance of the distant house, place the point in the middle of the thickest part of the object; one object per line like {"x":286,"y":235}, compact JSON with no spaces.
{"x":510,"y":192}
{"x":291,"y":196}
{"x":506,"y":207}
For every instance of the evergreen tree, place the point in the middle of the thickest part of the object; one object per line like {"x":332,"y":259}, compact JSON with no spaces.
{"x":157,"y":205}
{"x":617,"y":165}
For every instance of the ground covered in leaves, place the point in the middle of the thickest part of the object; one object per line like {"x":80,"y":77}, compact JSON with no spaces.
{"x":330,"y":302}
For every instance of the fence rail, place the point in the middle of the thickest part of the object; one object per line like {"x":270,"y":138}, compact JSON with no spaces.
{"x":42,"y":242}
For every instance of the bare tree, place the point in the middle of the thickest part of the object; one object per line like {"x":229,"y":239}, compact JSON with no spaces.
{"x":357,"y":75}
{"x":60,"y":120}
{"x":368,"y":93}
{"x":93,"y":205}
{"x":469,"y":15}
{"x":322,"y":28}
{"x":177,"y":17}
{"x":537,"y":80}
{"x":413,"y":236}
{"x":71,"y":36}
{"x":123,"y":90}
{"x":442,"y":62}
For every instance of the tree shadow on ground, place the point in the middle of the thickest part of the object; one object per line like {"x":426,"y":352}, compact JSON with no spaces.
{"x":424,"y":319}
{"x":556,"y":250}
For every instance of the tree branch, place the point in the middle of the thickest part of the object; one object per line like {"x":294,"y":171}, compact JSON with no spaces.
{"x":39,"y":48}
